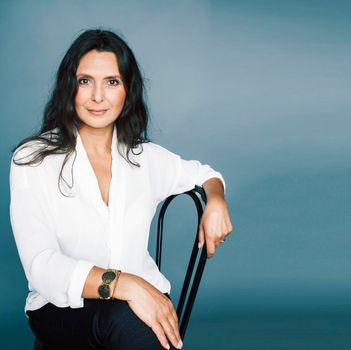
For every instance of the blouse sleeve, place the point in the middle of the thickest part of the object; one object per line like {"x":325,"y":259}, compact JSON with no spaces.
{"x":170,"y":174}
{"x":58,"y":278}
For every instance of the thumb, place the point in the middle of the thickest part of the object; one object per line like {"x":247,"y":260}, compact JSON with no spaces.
{"x":201,"y":237}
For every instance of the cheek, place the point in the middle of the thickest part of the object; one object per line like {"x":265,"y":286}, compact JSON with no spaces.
{"x":78,"y":99}
{"x":118,"y":99}
{"x":81,"y":97}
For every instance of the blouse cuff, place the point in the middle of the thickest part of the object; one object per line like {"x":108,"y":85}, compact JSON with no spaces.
{"x":77,"y":281}
{"x":215,"y":174}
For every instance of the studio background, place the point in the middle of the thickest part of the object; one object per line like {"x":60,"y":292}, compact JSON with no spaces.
{"x":260,"y":90}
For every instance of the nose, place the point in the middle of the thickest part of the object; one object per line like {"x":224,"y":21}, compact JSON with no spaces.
{"x":97,"y":93}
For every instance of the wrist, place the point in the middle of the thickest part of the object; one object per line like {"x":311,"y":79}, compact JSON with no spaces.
{"x":215,"y":198}
{"x":126,"y":286}
{"x":216,"y":201}
{"x":109,"y":279}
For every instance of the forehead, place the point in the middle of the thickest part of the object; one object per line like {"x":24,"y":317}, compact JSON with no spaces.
{"x":98,"y":63}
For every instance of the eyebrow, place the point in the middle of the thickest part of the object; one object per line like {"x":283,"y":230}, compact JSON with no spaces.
{"x":89,"y":76}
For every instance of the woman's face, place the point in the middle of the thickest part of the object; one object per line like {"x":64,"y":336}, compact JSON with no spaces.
{"x":100,"y":95}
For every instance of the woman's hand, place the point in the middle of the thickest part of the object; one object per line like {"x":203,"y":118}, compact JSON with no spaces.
{"x":214,"y":225}
{"x":152,"y":307}
{"x":215,"y":222}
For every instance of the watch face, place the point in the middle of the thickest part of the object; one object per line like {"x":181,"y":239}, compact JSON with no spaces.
{"x":104,"y":291}
{"x":108,"y":276}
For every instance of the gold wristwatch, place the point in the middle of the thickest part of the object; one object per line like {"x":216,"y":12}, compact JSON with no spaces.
{"x":104,"y":289}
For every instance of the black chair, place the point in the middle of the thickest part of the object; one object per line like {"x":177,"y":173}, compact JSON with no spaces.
{"x":186,"y":300}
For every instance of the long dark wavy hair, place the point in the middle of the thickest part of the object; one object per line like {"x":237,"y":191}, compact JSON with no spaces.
{"x":60,"y":112}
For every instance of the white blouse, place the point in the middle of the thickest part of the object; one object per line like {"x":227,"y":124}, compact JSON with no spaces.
{"x":60,"y":238}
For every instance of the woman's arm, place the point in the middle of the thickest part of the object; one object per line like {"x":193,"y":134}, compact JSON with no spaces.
{"x":170,"y":174}
{"x":215,"y":224}
{"x":147,"y":302}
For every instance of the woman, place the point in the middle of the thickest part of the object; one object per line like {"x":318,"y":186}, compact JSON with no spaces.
{"x":83,"y":194}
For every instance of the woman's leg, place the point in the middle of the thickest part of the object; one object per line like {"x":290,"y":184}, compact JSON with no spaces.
{"x":122,"y":329}
{"x":65,"y":328}
{"x":100,"y":324}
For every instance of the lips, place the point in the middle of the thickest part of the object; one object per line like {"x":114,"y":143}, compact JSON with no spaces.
{"x":97,"y":111}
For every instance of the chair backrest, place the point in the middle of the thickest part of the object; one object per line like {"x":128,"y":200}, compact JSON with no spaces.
{"x":183,"y":317}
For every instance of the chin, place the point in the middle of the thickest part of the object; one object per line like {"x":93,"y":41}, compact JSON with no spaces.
{"x":97,"y":124}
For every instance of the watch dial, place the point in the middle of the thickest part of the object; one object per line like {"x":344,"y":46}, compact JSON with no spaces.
{"x":108,"y":276}
{"x":104,"y":291}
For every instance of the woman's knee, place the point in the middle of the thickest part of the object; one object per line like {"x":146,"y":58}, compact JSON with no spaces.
{"x":122,"y":329}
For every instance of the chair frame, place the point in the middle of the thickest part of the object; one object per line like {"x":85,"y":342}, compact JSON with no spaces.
{"x":183,"y":318}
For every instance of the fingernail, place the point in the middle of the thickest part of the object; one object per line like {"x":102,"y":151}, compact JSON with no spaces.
{"x":199,"y":245}
{"x":167,"y":346}
{"x":180,"y":344}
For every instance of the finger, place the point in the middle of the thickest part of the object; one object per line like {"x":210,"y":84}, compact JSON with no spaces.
{"x":230,"y":228}
{"x":201,"y":237}
{"x":227,"y":230}
{"x":175,"y":330}
{"x":173,"y":320}
{"x":170,"y":332}
{"x":161,"y":336}
{"x":175,"y":316}
{"x":223,"y":238}
{"x":229,"y":225}
{"x":210,"y":249}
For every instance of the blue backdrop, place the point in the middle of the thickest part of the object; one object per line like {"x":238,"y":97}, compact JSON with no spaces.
{"x":260,"y":90}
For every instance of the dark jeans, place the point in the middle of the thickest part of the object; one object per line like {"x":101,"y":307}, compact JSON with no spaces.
{"x":100,"y":324}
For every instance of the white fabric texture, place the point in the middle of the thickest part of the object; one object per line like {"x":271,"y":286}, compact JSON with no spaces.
{"x":60,"y":238}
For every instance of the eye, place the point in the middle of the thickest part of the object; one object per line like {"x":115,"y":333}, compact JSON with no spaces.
{"x":114,"y":82}
{"x":83,"y":81}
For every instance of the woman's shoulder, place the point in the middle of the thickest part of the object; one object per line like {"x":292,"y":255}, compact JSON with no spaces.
{"x":156,"y":149}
